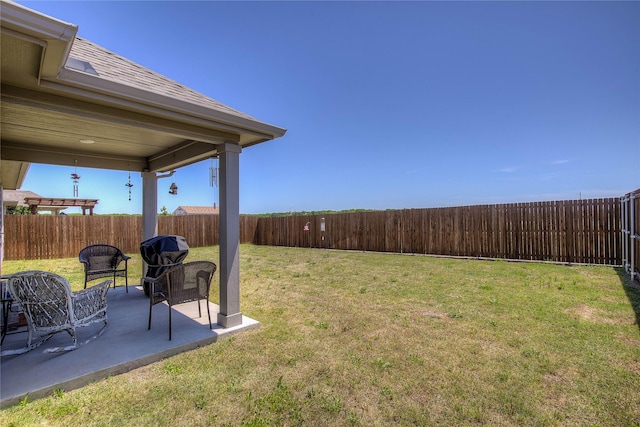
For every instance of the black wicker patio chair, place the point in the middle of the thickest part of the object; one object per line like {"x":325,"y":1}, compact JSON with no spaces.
{"x":180,"y":284}
{"x":104,"y":261}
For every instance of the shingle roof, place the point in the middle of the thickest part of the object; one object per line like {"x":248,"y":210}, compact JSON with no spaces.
{"x":17,"y":196}
{"x":88,"y":57}
{"x":197,"y":210}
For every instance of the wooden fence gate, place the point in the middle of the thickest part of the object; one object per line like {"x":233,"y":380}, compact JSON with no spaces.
{"x":630,"y":219}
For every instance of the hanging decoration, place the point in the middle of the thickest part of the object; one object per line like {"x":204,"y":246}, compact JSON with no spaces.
{"x":213,"y":175}
{"x":173,"y":189}
{"x":213,"y":180}
{"x":129,"y":184}
{"x":76,"y":180}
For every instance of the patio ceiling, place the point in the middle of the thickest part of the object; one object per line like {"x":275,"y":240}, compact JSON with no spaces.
{"x":59,"y":90}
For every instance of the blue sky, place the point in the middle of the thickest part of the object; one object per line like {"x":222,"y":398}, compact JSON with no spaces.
{"x":388,"y":105}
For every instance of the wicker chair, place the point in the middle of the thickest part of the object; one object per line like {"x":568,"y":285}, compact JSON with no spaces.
{"x":103,"y":261}
{"x":50,"y":307}
{"x":180,"y":284}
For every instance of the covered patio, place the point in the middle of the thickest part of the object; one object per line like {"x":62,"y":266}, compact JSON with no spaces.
{"x":125,"y":345}
{"x":67,"y":101}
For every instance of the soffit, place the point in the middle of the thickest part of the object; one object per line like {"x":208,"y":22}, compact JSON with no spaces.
{"x":20,"y":61}
{"x":12,"y":174}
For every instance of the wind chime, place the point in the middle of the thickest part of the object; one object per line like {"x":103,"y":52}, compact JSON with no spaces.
{"x":213,"y":180}
{"x":129,"y":185}
{"x":76,"y":180}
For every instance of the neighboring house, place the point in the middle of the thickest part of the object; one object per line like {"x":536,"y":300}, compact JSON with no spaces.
{"x":14,"y":198}
{"x":196,"y":210}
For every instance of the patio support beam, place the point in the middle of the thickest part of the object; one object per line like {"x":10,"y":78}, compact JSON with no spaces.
{"x":1,"y":226}
{"x":150,"y":209}
{"x":149,"y":205}
{"x":229,"y":315}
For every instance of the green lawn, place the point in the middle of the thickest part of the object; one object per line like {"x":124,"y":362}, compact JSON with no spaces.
{"x":352,"y":338}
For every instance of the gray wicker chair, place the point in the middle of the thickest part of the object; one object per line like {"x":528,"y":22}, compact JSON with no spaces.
{"x":50,"y":307}
{"x":103,"y":261}
{"x":180,"y":284}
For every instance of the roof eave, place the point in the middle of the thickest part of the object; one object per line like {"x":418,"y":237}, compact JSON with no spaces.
{"x":36,"y":24}
{"x":54,"y":35}
{"x":57,"y":37}
{"x":69,"y":80}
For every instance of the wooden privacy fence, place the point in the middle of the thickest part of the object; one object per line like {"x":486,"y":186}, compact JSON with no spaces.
{"x":52,"y":236}
{"x":44,"y":236}
{"x":577,"y":231}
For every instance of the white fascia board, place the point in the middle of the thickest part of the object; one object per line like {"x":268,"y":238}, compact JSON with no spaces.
{"x":187,"y":111}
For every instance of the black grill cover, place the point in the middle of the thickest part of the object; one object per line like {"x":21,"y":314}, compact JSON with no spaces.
{"x":160,"y":252}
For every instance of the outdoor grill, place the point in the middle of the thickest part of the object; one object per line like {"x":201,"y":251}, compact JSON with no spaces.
{"x":160,"y":253}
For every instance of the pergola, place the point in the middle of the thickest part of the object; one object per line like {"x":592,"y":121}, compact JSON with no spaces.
{"x":67,"y":101}
{"x":56,"y":204}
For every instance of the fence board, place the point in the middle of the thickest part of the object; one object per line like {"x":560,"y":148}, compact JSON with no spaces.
{"x":564,"y":231}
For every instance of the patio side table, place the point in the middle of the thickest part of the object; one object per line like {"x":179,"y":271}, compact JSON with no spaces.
{"x":7,"y":303}
{"x":6,"y":306}
{"x":6,"y":300}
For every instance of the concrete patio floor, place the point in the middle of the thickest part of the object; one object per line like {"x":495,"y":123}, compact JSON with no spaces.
{"x":125,"y":345}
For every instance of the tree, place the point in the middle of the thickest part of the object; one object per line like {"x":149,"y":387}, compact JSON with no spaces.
{"x":164,"y":211}
{"x":18,"y":210}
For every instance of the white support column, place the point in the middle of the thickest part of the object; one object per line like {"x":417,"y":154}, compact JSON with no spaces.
{"x":229,"y":314}
{"x":149,"y":210}
{"x":1,"y":226}
{"x":149,"y":205}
